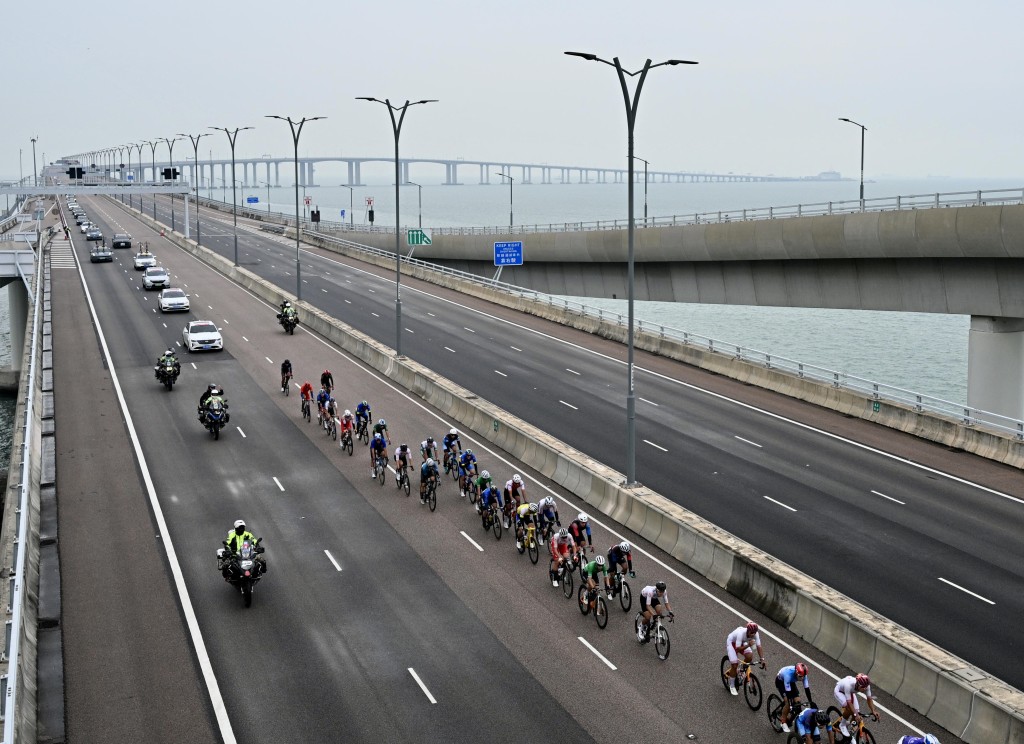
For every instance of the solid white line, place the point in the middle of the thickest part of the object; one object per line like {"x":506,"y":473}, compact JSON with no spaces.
{"x":572,"y":370}
{"x":656,"y":446}
{"x":278,"y":483}
{"x":269,"y":359}
{"x":966,"y":591}
{"x":878,"y":493}
{"x":497,"y":372}
{"x":450,"y":349}
{"x":471,"y":540}
{"x":784,"y":506}
{"x":331,"y":559}
{"x":650,"y":402}
{"x":597,"y":653}
{"x":569,"y":404}
{"x":419,"y":681}
{"x":241,"y":432}
{"x":749,"y":442}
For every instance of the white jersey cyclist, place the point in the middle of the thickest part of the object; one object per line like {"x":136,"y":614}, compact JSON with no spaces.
{"x":739,"y":643}
{"x":846,"y":693}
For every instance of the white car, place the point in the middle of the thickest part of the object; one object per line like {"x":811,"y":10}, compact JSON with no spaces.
{"x":202,"y":335}
{"x":173,"y":300}
{"x":144,"y":261}
{"x":86,"y":226}
{"x":156,"y":277}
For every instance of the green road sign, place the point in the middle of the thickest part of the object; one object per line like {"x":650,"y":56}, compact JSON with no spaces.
{"x":418,"y":237}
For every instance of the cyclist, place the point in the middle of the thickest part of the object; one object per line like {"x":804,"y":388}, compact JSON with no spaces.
{"x":403,"y":458}
{"x":306,"y":392}
{"x":378,"y":447}
{"x":484,"y":481}
{"x":548,"y":514}
{"x":926,"y":739}
{"x":286,"y":374}
{"x":787,"y":682}
{"x":619,"y":560}
{"x":467,"y":470}
{"x":809,"y":725}
{"x":428,"y":449}
{"x":515,"y":494}
{"x":562,"y":546}
{"x":331,"y":409}
{"x":525,"y":514}
{"x":363,"y":414}
{"x":327,"y":380}
{"x":428,"y":473}
{"x":592,"y":571}
{"x":346,"y":425}
{"x":743,"y":640}
{"x":580,"y":530}
{"x":487,"y":495}
{"x":381,"y":427}
{"x":846,"y":695}
{"x":651,"y":599}
{"x":321,"y":405}
{"x":448,"y":444}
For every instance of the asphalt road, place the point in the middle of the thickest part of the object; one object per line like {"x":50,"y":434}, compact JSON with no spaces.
{"x":365,"y":584}
{"x":926,"y":536}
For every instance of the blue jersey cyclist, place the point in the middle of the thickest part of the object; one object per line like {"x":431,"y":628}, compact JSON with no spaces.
{"x":490,"y":495}
{"x":467,"y":470}
{"x":926,"y":739}
{"x":787,"y":682}
{"x":321,"y":403}
{"x":363,"y":414}
{"x":810,"y":724}
{"x":428,"y":472}
{"x":619,"y":558}
{"x":450,"y":444}
{"x":378,"y":448}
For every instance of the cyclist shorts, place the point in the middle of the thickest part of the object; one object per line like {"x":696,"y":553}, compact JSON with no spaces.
{"x":780,"y":685}
{"x":843,"y":701}
{"x":653,"y":603}
{"x":814,"y":731}
{"x":559,"y":549}
{"x":734,"y":655}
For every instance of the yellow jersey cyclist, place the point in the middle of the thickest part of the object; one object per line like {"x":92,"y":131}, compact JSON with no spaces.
{"x":526,"y":514}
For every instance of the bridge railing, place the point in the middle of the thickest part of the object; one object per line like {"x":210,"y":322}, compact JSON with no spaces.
{"x":879,"y":391}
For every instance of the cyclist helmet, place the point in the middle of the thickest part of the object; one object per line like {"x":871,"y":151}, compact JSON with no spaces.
{"x":661,"y":586}
{"x":327,"y":371}
{"x":287,"y":362}
{"x":546,"y":502}
{"x":517,"y":480}
{"x":239,"y":526}
{"x":863,"y":681}
{"x":348,"y":413}
{"x":931,"y":739}
{"x":430,"y":440}
{"x":364,"y":404}
{"x":821,"y":718}
{"x":332,"y":400}
{"x":583,"y":518}
{"x":599,"y":560}
{"x":430,"y":462}
{"x":563,"y":533}
{"x":801,"y":670}
{"x":485,"y":475}
{"x":382,"y":422}
{"x":624,"y":546}
{"x":454,"y":432}
{"x":378,"y":437}
{"x":752,"y":629}
{"x":469,"y":451}
{"x":533,"y":508}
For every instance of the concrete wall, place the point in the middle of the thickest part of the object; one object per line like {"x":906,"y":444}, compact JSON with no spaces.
{"x":949,"y":691}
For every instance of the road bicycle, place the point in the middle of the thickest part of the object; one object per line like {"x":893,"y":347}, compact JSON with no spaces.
{"x":491,"y":519}
{"x":403,"y":478}
{"x":332,"y":428}
{"x":286,"y":383}
{"x":471,"y":488}
{"x":745,"y":677}
{"x":565,"y":571}
{"x":859,"y":733}
{"x":380,"y":468}
{"x":528,"y":542}
{"x":774,"y":710}
{"x":346,"y":441}
{"x":431,"y":493}
{"x":620,"y":589}
{"x":362,"y":432}
{"x":305,"y":410}
{"x":590,"y":600}
{"x":658,"y":633}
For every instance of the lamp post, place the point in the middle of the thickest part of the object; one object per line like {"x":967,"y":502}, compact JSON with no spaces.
{"x":418,"y":186}
{"x":296,"y":127}
{"x":267,"y":184}
{"x":396,"y":126}
{"x":510,"y":180}
{"x":862,"y":130}
{"x":170,"y":159}
{"x":351,"y":196}
{"x":152,"y":147}
{"x":194,"y":139}
{"x":645,"y":186}
{"x":631,"y":107}
{"x":139,"y":146}
{"x":232,"y":137}
{"x":35,"y":177}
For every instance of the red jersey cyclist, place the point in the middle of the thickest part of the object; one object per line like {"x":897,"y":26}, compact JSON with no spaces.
{"x":562,"y":546}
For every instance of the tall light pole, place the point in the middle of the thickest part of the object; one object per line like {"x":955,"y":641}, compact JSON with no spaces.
{"x":194,"y":139}
{"x":510,"y":180}
{"x":152,"y":146}
{"x":862,"y":130}
{"x":35,"y":171}
{"x":396,"y":126}
{"x":645,"y":186}
{"x":139,"y":146}
{"x":170,"y":159}
{"x":232,"y":137}
{"x":351,"y":198}
{"x":418,"y":186}
{"x":267,"y":184}
{"x":631,"y":107}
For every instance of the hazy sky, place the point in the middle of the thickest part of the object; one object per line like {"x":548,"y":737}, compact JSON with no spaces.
{"x":937,"y":83}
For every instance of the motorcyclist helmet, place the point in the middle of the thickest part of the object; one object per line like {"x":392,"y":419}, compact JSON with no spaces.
{"x":563,"y":533}
{"x":239,"y":527}
{"x":382,"y":422}
{"x":454,"y":432}
{"x":863,"y":681}
{"x":821,"y":718}
{"x":624,"y":546}
{"x":533,"y":508}
{"x":752,"y":629}
{"x":430,"y":462}
{"x":287,"y":304}
{"x":582,"y":517}
{"x":517,"y":480}
{"x":485,"y":475}
{"x":801,"y":670}
{"x":169,"y":352}
{"x":599,"y":560}
{"x":661,"y":586}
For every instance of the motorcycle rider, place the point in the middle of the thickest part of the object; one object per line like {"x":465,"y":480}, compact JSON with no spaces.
{"x":212,"y":394}
{"x":236,"y":536}
{"x":210,"y":390}
{"x":168,"y":357}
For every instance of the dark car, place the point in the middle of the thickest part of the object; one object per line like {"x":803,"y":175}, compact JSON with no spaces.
{"x":121,"y":240}
{"x":94,"y":234}
{"x":100,"y":252}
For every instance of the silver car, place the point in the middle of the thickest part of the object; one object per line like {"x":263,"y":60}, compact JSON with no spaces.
{"x":156,"y":277}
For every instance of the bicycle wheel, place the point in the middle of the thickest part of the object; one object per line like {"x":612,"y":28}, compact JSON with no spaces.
{"x":382,"y":470}
{"x":472,"y":493}
{"x":533,"y":548}
{"x":774,"y":709}
{"x":662,"y":645}
{"x":432,"y":496}
{"x":567,"y":584}
{"x":334,"y":431}
{"x":625,"y":597}
{"x":582,"y":602}
{"x":725,"y":668}
{"x":520,"y":543}
{"x":639,"y":618}
{"x":793,"y":739}
{"x":752,"y":692}
{"x":288,"y":388}
{"x":405,"y":484}
{"x":864,"y":737}
{"x":601,"y":611}
{"x":348,"y":445}
{"x":496,"y":525}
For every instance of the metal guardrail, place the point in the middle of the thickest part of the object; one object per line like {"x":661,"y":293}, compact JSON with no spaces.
{"x":878,"y":391}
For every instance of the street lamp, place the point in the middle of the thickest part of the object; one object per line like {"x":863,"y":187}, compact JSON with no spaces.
{"x":296,"y":127}
{"x":138,"y":145}
{"x":396,"y":127}
{"x":862,"y":130}
{"x":351,"y":216}
{"x":170,"y":159}
{"x":418,"y":186}
{"x":510,"y":180}
{"x":631,"y":108}
{"x":194,"y":139}
{"x":232,"y":137}
{"x":267,"y":184}
{"x":152,"y":147}
{"x":645,"y":186}
{"x":35,"y":178}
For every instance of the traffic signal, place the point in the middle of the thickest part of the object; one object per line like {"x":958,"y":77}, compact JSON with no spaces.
{"x":170,"y":174}
{"x":370,"y":215}
{"x":75,"y":173}
{"x":314,"y":216}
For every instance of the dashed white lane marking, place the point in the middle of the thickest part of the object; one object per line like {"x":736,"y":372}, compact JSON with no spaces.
{"x":572,"y":371}
{"x":431,"y":315}
{"x":226,"y":321}
{"x":966,"y":591}
{"x":749,"y":442}
{"x":784,"y":506}
{"x":468,"y":329}
{"x":419,"y":681}
{"x":373,"y":291}
{"x":596,"y":653}
{"x":323,"y":290}
{"x":278,"y":483}
{"x":410,"y":330}
{"x":165,"y":325}
{"x":499,"y":372}
{"x":245,"y":339}
{"x":651,"y":402}
{"x":656,"y":446}
{"x":514,"y":348}
{"x":331,"y":559}
{"x":348,"y":302}
{"x":570,"y":405}
{"x":193,"y":365}
{"x":210,"y":307}
{"x":471,"y":541}
{"x":450,"y":349}
{"x":241,"y":432}
{"x":269,"y":359}
{"x":878,"y":493}
{"x":375,"y":315}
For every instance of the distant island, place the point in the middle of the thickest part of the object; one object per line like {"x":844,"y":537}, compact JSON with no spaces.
{"x":829,"y":175}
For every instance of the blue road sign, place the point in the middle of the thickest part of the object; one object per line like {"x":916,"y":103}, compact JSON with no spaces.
{"x":130,"y":176}
{"x":343,"y":214}
{"x":252,"y":200}
{"x":509,"y":253}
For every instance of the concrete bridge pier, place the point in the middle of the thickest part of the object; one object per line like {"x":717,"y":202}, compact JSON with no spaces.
{"x":309,"y":177}
{"x":277,"y":174}
{"x":17,"y":297}
{"x":485,"y":175}
{"x":995,"y":365}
